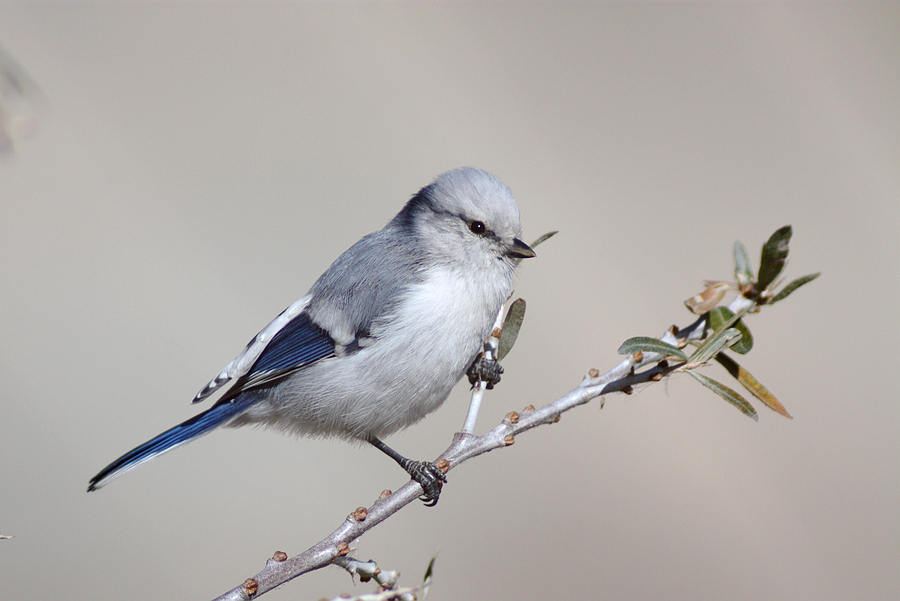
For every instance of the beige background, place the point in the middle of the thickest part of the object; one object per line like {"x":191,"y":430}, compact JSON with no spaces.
{"x":202,"y":165}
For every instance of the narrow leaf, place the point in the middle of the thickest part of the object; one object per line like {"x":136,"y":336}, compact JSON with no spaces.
{"x":714,"y":344}
{"x":544,"y":238}
{"x":742,"y":346}
{"x":727,"y":394}
{"x":653,"y":345}
{"x":430,"y":570}
{"x":511,"y":326}
{"x":723,"y":317}
{"x":752,"y":384}
{"x":774,"y":255}
{"x":794,"y":285}
{"x":742,"y":270}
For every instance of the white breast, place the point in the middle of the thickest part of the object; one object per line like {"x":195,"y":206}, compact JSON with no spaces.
{"x":415,"y":359}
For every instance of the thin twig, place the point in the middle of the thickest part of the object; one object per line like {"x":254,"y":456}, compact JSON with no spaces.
{"x":333,"y":549}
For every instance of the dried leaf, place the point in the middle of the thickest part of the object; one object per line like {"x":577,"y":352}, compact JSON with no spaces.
{"x":752,"y":384}
{"x":709,"y":298}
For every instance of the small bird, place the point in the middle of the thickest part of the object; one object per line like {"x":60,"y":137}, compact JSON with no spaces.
{"x":382,"y":336}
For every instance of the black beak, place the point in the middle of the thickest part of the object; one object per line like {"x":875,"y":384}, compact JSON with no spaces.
{"x":519,"y":250}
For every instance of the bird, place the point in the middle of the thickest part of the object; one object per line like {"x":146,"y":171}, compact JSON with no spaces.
{"x":382,"y":336}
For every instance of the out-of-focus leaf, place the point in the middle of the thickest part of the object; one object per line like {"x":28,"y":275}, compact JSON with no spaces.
{"x":725,"y":318}
{"x":720,"y":316}
{"x":794,"y":285}
{"x":742,"y":346}
{"x":511,"y":326}
{"x":543,"y":238}
{"x":430,"y":570}
{"x":21,"y":104}
{"x":709,"y":298}
{"x":653,"y":345}
{"x":727,"y":394}
{"x":714,"y":344}
{"x":743,"y":273}
{"x":752,"y":384}
{"x":774,"y":255}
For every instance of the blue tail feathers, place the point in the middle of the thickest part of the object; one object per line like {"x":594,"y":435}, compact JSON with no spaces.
{"x":171,"y":438}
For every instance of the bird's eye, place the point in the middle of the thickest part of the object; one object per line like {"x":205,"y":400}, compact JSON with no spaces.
{"x":477,"y":227}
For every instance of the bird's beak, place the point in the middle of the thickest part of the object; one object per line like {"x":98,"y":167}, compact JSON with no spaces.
{"x":519,"y":250}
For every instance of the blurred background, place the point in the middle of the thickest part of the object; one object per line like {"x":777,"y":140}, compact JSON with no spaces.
{"x":186,"y":172}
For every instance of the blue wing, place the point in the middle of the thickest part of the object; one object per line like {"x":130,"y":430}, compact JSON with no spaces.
{"x":244,"y":362}
{"x":298,"y":343}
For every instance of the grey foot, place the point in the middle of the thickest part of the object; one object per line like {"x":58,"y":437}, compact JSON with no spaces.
{"x":484,"y":370}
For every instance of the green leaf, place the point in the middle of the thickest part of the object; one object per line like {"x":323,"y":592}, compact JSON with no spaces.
{"x":752,"y":384}
{"x":774,"y":255}
{"x":727,"y":394}
{"x":723,"y":317}
{"x":793,"y":286}
{"x":653,"y":345}
{"x":511,"y":326}
{"x":743,"y":273}
{"x":430,"y":570}
{"x":714,"y":344}
{"x":543,"y":238}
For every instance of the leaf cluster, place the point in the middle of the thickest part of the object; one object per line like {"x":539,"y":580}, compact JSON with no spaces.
{"x":771,"y":264}
{"x":722,"y":328}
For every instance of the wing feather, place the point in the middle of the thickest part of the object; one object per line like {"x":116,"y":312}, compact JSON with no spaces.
{"x":244,"y":362}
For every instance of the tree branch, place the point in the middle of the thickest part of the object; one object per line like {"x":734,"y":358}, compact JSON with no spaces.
{"x":334,"y":549}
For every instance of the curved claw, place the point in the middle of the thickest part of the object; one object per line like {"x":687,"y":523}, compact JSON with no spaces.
{"x":427,"y":474}
{"x":484,"y":369}
{"x":429,"y":477}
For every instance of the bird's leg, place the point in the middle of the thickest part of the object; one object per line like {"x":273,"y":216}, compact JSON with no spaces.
{"x":425,"y":473}
{"x":486,"y":370}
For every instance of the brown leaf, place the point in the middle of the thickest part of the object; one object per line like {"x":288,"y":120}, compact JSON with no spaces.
{"x":752,"y":384}
{"x":709,"y":298}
